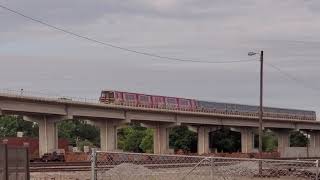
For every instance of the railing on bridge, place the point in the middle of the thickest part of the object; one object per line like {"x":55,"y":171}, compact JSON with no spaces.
{"x":14,"y":163}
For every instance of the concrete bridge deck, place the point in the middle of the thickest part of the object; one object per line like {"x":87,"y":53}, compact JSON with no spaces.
{"x":48,"y":111}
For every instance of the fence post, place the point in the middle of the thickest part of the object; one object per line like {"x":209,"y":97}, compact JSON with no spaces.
{"x":6,"y":169}
{"x":93,"y":164}
{"x":27,"y":165}
{"x":317,"y":171}
{"x":212,"y":166}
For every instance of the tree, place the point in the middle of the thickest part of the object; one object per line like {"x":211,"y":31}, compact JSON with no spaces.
{"x":78,"y":130}
{"x":225,"y":140}
{"x":147,"y":142}
{"x":135,"y":138}
{"x":182,"y":138}
{"x":269,"y":141}
{"x":10,"y":125}
{"x":298,"y":139}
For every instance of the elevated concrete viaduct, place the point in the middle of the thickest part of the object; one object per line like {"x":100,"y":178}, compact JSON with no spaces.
{"x":47,"y":112}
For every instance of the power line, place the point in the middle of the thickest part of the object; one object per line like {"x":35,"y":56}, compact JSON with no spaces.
{"x":299,"y":81}
{"x":115,"y":46}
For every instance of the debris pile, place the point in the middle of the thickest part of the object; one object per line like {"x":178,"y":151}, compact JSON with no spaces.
{"x":129,"y":171}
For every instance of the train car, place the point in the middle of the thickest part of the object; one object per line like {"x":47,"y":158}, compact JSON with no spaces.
{"x":171,"y":102}
{"x":158,"y":102}
{"x":144,"y":100}
{"x":268,"y":111}
{"x":174,"y":103}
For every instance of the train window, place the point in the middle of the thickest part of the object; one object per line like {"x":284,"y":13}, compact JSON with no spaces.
{"x":144,"y":98}
{"x":110,"y":95}
{"x":171,"y":100}
{"x":130,"y":97}
{"x":119,"y":95}
{"x":158,"y":100}
{"x":231,"y":106}
{"x":184,"y":102}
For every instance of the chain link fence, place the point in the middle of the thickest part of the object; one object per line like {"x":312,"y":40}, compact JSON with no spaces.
{"x":133,"y":166}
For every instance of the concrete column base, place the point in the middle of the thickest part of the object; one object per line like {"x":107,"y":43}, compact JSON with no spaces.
{"x":160,"y":140}
{"x":203,"y":140}
{"x":247,"y":136}
{"x":314,"y":139}
{"x":314,"y":144}
{"x":283,"y":140}
{"x":108,"y":135}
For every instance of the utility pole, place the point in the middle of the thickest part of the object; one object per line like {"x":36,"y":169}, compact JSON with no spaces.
{"x":261,"y":105}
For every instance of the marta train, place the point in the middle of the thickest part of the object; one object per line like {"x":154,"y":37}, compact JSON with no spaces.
{"x":175,"y":103}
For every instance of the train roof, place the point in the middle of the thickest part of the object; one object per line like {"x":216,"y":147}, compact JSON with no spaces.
{"x":292,"y":109}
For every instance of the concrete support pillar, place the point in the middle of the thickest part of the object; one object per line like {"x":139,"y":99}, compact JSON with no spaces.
{"x":108,"y":135}
{"x":283,"y":141}
{"x":48,"y":136}
{"x":314,"y":139}
{"x":160,"y":139}
{"x":314,"y":144}
{"x":247,"y":136}
{"x":48,"y":132}
{"x":203,"y":140}
{"x":160,"y":136}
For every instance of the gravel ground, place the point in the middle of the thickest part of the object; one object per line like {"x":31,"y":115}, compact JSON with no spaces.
{"x":245,"y":168}
{"x":78,"y":175}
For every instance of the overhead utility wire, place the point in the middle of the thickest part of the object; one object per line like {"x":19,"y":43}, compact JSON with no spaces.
{"x":115,"y":46}
{"x":299,"y":81}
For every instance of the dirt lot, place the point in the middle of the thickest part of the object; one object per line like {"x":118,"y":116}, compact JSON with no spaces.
{"x":127,"y":171}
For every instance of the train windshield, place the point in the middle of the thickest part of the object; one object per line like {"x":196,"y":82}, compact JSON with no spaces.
{"x":108,"y":96}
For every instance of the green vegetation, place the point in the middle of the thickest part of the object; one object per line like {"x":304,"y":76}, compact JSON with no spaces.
{"x":78,"y":131}
{"x":10,"y":125}
{"x":269,"y":141}
{"x":298,"y":139}
{"x":146,"y":144}
{"x":135,"y":139}
{"x":225,"y":140}
{"x":181,"y":138}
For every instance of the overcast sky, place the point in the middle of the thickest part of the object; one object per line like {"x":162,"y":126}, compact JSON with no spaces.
{"x":37,"y":58}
